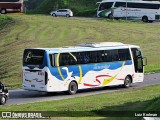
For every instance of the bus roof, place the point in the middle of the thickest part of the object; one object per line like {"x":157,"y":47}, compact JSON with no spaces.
{"x":139,"y":1}
{"x":88,"y":47}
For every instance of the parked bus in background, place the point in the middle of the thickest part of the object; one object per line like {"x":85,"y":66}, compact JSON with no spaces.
{"x":81,"y":67}
{"x":11,"y":6}
{"x":147,"y":11}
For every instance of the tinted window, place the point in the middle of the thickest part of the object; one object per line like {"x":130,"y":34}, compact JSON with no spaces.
{"x":33,"y":57}
{"x":136,"y":53}
{"x":143,"y":5}
{"x":106,"y":5}
{"x":94,"y":57}
{"x":64,"y":10}
{"x":52,"y":59}
{"x":67,"y":59}
{"x":124,"y":54}
{"x":137,"y":58}
{"x":59,"y":10}
{"x":120,"y":4}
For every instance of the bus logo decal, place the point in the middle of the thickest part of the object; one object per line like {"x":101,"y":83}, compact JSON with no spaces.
{"x":28,"y":56}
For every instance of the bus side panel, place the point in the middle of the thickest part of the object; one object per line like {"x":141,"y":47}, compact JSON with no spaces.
{"x":108,"y":74}
{"x":89,"y":75}
{"x":10,"y":5}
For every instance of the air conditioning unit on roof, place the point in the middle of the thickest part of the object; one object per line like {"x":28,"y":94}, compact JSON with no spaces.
{"x":101,"y":44}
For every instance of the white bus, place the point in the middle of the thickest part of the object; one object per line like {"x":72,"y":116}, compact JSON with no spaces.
{"x":81,"y":67}
{"x":11,"y":6}
{"x":147,"y":11}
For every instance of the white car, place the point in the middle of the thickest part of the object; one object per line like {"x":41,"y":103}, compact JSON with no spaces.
{"x":62,"y":12}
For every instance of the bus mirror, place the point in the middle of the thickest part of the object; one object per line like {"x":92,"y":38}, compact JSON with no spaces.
{"x":144,"y":61}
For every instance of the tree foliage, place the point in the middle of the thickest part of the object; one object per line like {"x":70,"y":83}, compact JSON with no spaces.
{"x":79,"y":7}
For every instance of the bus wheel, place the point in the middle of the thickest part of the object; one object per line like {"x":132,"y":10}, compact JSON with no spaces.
{"x":145,"y":19}
{"x":72,"y":88}
{"x":2,"y":100}
{"x":3,"y":11}
{"x":150,"y":21}
{"x":127,"y":82}
{"x":110,"y":16}
{"x":54,"y":15}
{"x":67,"y":15}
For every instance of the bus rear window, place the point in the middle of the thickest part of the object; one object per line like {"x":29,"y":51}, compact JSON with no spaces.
{"x":33,"y":57}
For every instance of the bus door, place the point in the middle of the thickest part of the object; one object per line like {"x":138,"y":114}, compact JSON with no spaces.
{"x":138,"y":65}
{"x":120,"y":9}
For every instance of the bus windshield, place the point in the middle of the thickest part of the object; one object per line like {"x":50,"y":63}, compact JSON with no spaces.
{"x":106,"y":5}
{"x":33,"y":57}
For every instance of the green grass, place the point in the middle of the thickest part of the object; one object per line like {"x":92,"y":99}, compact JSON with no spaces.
{"x":4,"y":20}
{"x":30,"y":31}
{"x":142,"y":99}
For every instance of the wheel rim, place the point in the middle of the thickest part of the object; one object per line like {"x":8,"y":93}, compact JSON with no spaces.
{"x":127,"y":82}
{"x":110,"y":16}
{"x":3,"y":100}
{"x":3,"y":11}
{"x":144,"y":19}
{"x":73,"y":88}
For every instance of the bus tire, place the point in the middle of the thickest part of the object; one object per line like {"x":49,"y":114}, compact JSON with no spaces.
{"x":3,"y":100}
{"x":127,"y":82}
{"x":72,"y":89}
{"x":150,"y":21}
{"x":110,"y":16}
{"x":67,"y":15}
{"x":145,"y":19}
{"x":3,"y":11}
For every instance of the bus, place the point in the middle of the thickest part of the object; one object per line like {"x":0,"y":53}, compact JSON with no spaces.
{"x":11,"y":6}
{"x":82,"y":66}
{"x":147,"y":11}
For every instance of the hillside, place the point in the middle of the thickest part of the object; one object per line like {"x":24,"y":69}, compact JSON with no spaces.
{"x":30,"y":31}
{"x":79,"y":7}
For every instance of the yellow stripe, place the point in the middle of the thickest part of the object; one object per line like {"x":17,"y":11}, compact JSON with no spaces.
{"x":73,"y":57}
{"x":80,"y":74}
{"x":80,"y":69}
{"x":107,"y":81}
{"x":59,"y":70}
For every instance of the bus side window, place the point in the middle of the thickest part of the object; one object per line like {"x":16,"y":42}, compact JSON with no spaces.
{"x":114,"y":55}
{"x":100,"y":55}
{"x":61,"y":60}
{"x":52,"y":60}
{"x":72,"y":59}
{"x":124,"y":54}
{"x":79,"y":59}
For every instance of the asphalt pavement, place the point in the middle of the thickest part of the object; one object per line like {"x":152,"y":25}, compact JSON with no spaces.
{"x":20,"y":96}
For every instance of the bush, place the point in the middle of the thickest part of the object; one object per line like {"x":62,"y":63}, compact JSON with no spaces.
{"x":4,"y":19}
{"x":86,"y":8}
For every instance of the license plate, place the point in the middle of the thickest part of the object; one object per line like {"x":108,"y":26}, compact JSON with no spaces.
{"x":32,"y":85}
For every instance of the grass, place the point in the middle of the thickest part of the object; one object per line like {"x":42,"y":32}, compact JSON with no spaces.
{"x":30,"y":31}
{"x":4,"y":20}
{"x":142,"y":99}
